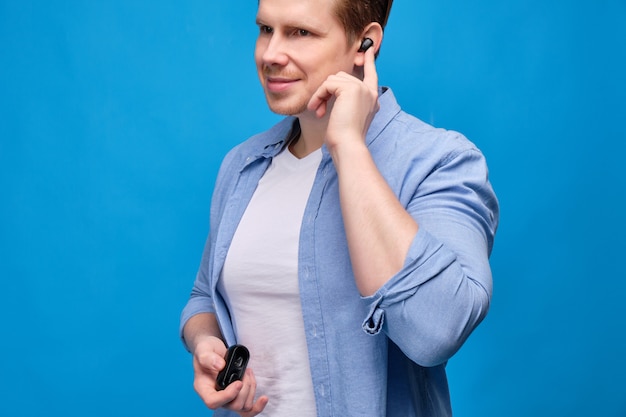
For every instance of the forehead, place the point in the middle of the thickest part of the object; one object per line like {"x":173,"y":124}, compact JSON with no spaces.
{"x":320,"y":13}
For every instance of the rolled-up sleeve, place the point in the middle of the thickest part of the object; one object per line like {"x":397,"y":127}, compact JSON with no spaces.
{"x":443,"y":291}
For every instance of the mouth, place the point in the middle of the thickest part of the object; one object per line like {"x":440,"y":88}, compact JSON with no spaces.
{"x":279,"y":84}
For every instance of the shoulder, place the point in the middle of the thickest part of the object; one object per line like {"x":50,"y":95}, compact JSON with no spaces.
{"x":402,"y":132}
{"x":414,"y":135}
{"x":412,"y":140}
{"x":411,"y":153}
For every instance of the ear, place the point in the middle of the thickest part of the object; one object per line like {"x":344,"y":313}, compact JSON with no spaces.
{"x":373,"y":31}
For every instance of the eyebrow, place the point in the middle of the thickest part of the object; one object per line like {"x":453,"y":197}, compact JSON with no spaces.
{"x":313,"y":26}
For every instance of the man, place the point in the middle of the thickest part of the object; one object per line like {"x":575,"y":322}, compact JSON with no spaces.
{"x":348,"y":245}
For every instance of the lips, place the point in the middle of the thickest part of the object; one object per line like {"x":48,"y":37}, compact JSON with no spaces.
{"x":279,"y":84}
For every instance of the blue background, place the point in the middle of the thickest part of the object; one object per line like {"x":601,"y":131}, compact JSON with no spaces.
{"x":115,"y":114}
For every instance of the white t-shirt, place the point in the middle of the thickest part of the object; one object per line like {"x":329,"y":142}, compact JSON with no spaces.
{"x":260,"y":285}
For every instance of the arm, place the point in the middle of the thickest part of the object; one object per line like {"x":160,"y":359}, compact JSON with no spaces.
{"x":443,"y":291}
{"x":379,"y":230}
{"x":421,"y":263}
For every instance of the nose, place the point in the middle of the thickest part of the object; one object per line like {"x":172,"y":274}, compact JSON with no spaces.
{"x":273,"y":50}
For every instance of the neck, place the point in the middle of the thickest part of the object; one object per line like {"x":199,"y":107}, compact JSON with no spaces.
{"x":312,"y":134}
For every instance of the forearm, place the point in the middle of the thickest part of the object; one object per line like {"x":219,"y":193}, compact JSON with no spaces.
{"x":378,"y":228}
{"x":200,"y":326}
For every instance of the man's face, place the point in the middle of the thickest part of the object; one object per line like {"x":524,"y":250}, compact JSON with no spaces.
{"x":300,"y":44}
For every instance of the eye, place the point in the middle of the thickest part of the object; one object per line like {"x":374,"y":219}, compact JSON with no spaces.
{"x":266,"y":29}
{"x":303,"y":32}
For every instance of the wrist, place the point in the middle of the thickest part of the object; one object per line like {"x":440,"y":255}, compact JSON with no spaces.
{"x":200,"y":328}
{"x":201,"y":339}
{"x":349,"y":153}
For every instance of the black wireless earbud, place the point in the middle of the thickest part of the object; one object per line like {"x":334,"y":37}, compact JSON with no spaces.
{"x":366,"y":44}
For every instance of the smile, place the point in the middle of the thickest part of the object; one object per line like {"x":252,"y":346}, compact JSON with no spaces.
{"x":276,"y":84}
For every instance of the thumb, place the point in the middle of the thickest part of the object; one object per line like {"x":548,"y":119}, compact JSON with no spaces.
{"x":210,"y":361}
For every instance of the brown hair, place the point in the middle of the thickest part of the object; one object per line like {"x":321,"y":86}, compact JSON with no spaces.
{"x":355,"y":15}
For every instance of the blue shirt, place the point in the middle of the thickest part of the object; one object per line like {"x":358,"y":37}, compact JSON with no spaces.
{"x":384,"y":354}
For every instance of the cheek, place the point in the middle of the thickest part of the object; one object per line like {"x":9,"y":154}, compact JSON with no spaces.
{"x":336,"y":60}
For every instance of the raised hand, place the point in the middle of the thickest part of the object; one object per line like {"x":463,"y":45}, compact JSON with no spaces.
{"x":350,"y":102}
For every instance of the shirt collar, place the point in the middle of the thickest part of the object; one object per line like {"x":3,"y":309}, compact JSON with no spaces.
{"x":273,"y":141}
{"x":389,"y":108}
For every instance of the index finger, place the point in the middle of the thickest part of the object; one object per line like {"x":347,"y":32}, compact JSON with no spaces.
{"x":370,"y":76}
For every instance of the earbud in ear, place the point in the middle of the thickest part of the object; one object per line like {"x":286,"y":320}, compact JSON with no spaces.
{"x":366,"y":44}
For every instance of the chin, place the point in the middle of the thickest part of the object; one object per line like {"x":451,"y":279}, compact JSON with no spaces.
{"x":285,"y":108}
